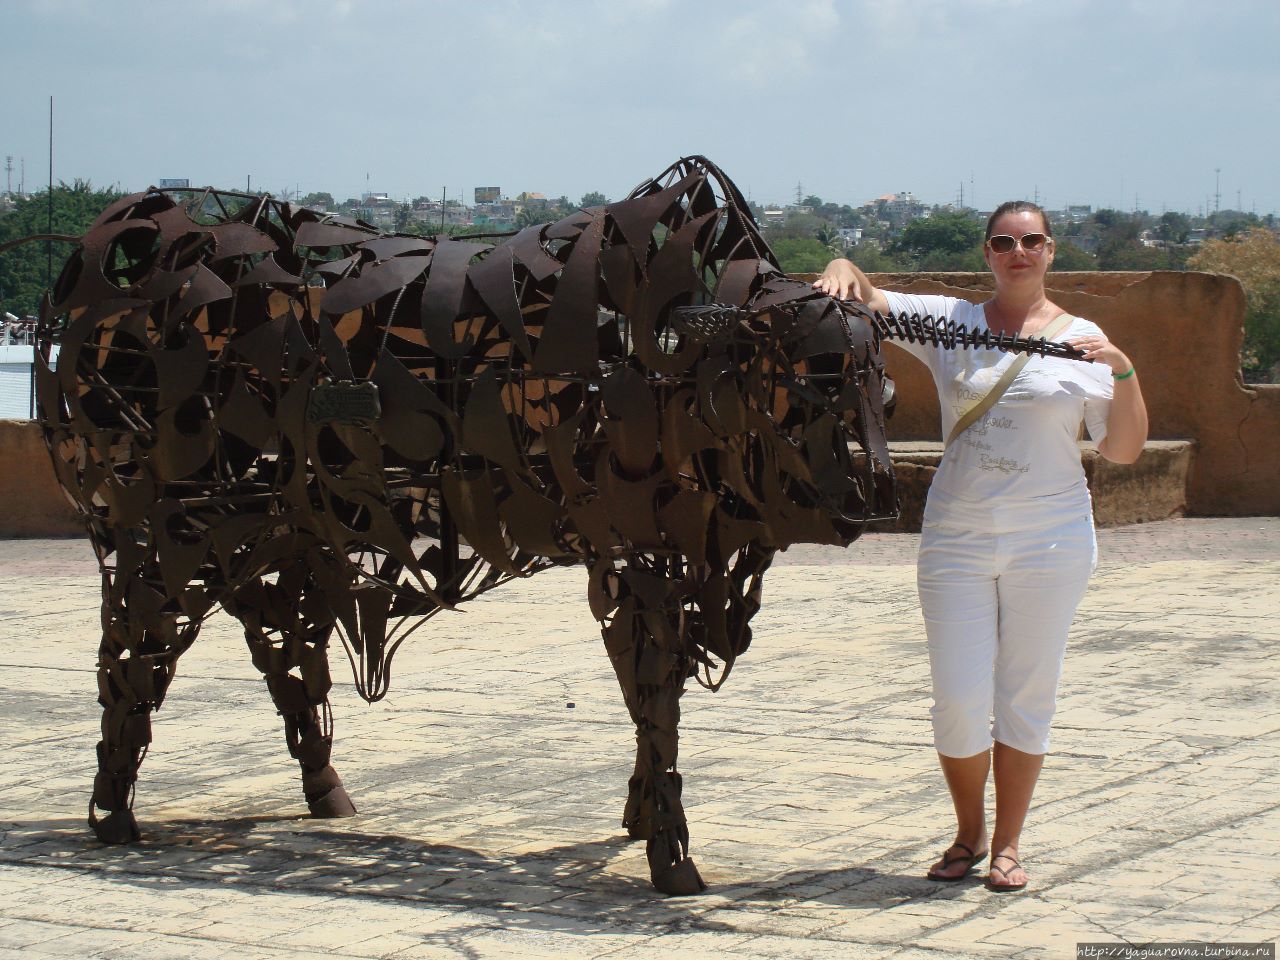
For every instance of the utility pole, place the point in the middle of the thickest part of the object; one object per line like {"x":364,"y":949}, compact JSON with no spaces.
{"x":444,"y":195}
{"x":1217,"y":189}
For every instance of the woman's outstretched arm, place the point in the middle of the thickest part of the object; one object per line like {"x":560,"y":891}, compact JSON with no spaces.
{"x":845,"y":281}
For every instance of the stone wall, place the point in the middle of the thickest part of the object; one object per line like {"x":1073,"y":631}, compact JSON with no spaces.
{"x":1183,"y":332}
{"x":31,"y":502}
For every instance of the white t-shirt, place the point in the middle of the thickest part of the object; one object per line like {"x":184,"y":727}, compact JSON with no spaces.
{"x":1019,"y":465}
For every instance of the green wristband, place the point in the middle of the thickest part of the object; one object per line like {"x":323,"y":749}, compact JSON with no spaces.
{"x":1124,"y":376}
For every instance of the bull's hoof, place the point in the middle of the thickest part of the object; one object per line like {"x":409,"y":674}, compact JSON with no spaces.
{"x":117,"y":827}
{"x":679,"y":880}
{"x":335,"y":803}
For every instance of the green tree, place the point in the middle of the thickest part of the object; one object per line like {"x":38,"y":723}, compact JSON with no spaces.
{"x":871,"y":258}
{"x":593,"y":198}
{"x":801,"y":254}
{"x":529,"y":215}
{"x":1253,"y":257}
{"x":1174,"y":227}
{"x":24,"y":270}
{"x":944,"y":241}
{"x":1119,"y":246}
{"x":842,"y":215}
{"x":1132,"y":256}
{"x":1229,"y":223}
{"x":318,"y":201}
{"x":1068,"y":256}
{"x":797,"y":226}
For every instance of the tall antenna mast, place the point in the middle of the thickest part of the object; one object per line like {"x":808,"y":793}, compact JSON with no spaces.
{"x":8,"y":176}
{"x":1217,"y":189}
{"x":48,"y":244}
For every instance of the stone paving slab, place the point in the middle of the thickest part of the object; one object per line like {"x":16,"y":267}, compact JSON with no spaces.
{"x":490,"y":781}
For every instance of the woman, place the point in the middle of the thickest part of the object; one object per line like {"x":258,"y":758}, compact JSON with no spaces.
{"x":1008,"y":543}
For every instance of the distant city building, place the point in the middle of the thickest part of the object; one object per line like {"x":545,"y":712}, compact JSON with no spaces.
{"x":375,"y":208}
{"x":182,"y":184}
{"x":17,"y":366}
{"x":488,"y":195}
{"x":500,"y":214}
{"x":895,"y":209}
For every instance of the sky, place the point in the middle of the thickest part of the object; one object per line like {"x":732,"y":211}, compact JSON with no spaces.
{"x":1133,"y":104}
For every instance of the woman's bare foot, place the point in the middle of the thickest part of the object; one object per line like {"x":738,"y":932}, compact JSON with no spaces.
{"x":1006,"y":873}
{"x":958,"y":860}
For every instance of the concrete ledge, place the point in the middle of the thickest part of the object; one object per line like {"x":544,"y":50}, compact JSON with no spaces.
{"x":1153,"y":488}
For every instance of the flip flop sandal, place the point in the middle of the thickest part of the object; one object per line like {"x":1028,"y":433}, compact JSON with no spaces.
{"x":973,"y":858}
{"x":1004,"y":887}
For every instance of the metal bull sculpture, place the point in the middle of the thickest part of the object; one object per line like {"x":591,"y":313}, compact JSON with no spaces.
{"x":328,"y":430}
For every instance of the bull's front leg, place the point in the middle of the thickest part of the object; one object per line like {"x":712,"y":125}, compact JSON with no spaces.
{"x":647,"y":646}
{"x":309,"y":736}
{"x":144,"y":631}
{"x":287,"y":627}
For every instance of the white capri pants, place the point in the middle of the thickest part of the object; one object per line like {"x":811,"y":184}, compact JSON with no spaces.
{"x":997,"y":607}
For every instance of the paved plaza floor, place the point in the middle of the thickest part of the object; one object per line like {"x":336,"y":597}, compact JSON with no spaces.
{"x":490,"y":781}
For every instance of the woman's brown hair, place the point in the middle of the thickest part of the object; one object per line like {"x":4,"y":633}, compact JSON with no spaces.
{"x":1019,"y":206}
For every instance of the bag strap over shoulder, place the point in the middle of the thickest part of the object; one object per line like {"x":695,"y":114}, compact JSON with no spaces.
{"x":979,"y":409}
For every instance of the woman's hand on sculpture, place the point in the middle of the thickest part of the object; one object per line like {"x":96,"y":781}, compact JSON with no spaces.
{"x":1101,"y":349}
{"x":840,"y":280}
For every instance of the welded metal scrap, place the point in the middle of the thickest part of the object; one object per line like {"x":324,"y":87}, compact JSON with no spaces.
{"x":328,"y":430}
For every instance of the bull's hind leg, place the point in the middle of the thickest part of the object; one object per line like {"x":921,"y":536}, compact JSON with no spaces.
{"x":647,"y":645}
{"x":144,"y":631}
{"x":287,"y":625}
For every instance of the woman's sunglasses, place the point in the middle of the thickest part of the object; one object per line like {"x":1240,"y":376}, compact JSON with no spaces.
{"x":1030,"y":242}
